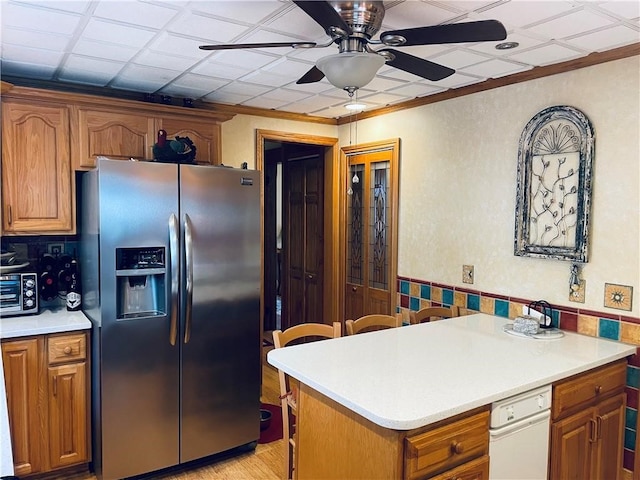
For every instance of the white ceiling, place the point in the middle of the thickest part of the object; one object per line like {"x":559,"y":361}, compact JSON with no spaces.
{"x":151,"y":46}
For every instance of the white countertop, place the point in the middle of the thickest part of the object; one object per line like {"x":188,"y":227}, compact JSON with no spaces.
{"x":408,"y":377}
{"x":50,"y":320}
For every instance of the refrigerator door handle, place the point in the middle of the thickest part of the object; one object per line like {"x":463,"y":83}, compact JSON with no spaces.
{"x":173,"y":255}
{"x":188,"y":255}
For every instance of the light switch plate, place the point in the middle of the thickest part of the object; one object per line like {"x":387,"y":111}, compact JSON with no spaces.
{"x":576,"y":292}
{"x":467,"y":274}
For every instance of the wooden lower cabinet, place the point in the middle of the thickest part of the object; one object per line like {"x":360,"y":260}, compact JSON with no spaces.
{"x":48,"y":398}
{"x":588,"y":425}
{"x":333,"y":442}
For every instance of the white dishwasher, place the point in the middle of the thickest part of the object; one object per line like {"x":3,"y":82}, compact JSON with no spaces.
{"x":519,"y":436}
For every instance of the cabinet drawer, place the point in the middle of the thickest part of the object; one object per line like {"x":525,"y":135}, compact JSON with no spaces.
{"x":67,"y":348}
{"x":589,"y":387}
{"x":474,"y":470}
{"x":447,"y":447}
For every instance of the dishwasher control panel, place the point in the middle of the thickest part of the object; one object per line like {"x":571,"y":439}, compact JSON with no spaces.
{"x":512,"y":409}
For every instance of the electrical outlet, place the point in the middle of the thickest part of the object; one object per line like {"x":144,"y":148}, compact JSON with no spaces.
{"x":467,"y":274}
{"x":55,"y":248}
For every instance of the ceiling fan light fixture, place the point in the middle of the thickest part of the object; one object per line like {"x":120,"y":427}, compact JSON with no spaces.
{"x":350,"y":70}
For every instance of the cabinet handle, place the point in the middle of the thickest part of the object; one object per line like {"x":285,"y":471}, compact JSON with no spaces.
{"x":593,"y":434}
{"x":67,"y":350}
{"x":9,"y":214}
{"x":599,"y":427}
{"x":55,"y":386}
{"x":354,"y":289}
{"x":457,"y":447}
{"x":598,"y":389}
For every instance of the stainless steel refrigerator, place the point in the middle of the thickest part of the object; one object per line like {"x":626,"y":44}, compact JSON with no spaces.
{"x":170,"y":269}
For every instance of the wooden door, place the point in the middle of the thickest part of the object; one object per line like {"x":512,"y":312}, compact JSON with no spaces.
{"x":303,"y":236}
{"x":571,"y":445}
{"x":370,"y":238}
{"x":67,"y":414}
{"x":607,"y":455}
{"x":21,"y":359}
{"x":36,"y":169}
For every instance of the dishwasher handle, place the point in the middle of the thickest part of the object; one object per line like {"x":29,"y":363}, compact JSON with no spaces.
{"x":497,"y":433}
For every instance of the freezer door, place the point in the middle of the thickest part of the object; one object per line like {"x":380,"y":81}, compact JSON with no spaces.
{"x":139,"y":368}
{"x":220,"y":215}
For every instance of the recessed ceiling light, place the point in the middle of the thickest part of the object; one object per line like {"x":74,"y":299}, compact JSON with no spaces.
{"x":354,"y":106}
{"x":506,"y":45}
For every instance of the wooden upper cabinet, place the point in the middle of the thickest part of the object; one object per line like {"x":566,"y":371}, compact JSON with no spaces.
{"x":204,"y":135}
{"x":36,"y":169}
{"x":112,"y":134}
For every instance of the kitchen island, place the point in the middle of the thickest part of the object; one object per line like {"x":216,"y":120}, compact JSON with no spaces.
{"x":369,"y":403}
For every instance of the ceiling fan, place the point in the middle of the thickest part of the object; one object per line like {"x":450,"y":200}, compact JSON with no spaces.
{"x":352,"y":24}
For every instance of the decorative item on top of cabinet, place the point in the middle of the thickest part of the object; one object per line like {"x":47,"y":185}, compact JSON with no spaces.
{"x":204,"y":135}
{"x":37,"y":192}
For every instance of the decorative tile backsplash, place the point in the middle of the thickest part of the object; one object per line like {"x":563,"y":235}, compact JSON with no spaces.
{"x":415,"y":294}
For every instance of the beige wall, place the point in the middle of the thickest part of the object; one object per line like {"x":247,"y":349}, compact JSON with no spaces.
{"x":239,"y":135}
{"x":458,"y":180}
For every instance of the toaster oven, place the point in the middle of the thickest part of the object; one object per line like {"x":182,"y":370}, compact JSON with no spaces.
{"x":19,"y":294}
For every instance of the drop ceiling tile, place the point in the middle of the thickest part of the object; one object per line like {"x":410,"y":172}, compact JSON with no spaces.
{"x":416,"y":89}
{"x":381,"y":84}
{"x":249,"y":59}
{"x":260,"y":77}
{"x":110,"y":32}
{"x":176,"y":90}
{"x":417,"y":14}
{"x":76,"y":6}
{"x":106,"y":51}
{"x":164,"y":60}
{"x":296,"y":22}
{"x":384,"y":98}
{"x":314,"y":103}
{"x":219,"y":70}
{"x":151,"y":78}
{"x":38,"y":72}
{"x":199,"y":82}
{"x":495,"y":68}
{"x":313,"y":54}
{"x":208,"y":28}
{"x":459,"y":58}
{"x":244,"y":89}
{"x":38,"y":19}
{"x":178,"y":45}
{"x":89,"y":64}
{"x":518,"y":13}
{"x":263,"y":102}
{"x":245,"y":12}
{"x":286,"y":95}
{"x":288,"y":68}
{"x":606,"y":39}
{"x":47,"y":41}
{"x":571,"y":24}
{"x":137,"y":13}
{"x":456,"y":80}
{"x":226,"y":97}
{"x":546,"y":55}
{"x":35,"y":56}
{"x":624,"y":9}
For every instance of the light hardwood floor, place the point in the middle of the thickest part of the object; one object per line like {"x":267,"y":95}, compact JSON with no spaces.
{"x":266,"y":462}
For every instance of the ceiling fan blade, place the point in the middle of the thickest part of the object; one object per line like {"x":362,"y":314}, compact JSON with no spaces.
{"x":325,"y":15}
{"x":237,"y":46}
{"x":312,"y":76}
{"x":418,"y":66}
{"x":480,"y":31}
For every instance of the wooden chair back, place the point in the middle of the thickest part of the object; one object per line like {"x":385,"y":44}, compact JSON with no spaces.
{"x":372,"y":322}
{"x":289,"y":386}
{"x":429,"y":314}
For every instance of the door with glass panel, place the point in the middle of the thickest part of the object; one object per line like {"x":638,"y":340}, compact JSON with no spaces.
{"x":371,"y":249}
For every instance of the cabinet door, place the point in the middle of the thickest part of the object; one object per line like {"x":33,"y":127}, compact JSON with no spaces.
{"x":36,"y":169}
{"x":22,"y":374}
{"x":113,"y":134}
{"x":607,"y":454}
{"x":67,"y":414}
{"x":204,"y":135}
{"x":571,"y":445}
